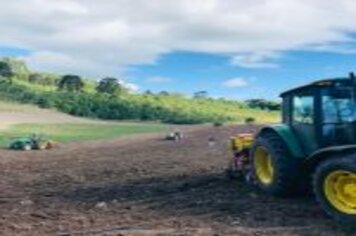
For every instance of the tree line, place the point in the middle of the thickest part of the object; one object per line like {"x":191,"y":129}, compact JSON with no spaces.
{"x":109,"y":99}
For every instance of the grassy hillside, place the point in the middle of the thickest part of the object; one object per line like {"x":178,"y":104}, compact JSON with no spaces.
{"x":41,"y":90}
{"x":67,"y":132}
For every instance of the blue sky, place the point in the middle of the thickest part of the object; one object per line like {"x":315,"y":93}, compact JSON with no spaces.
{"x":187,"y":72}
{"x":235,"y":49}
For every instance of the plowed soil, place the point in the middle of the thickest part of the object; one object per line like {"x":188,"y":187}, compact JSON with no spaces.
{"x":143,"y":185}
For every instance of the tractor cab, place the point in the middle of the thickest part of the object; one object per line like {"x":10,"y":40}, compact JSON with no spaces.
{"x":322,"y":114}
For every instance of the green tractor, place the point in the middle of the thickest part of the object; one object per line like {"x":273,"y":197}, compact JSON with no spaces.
{"x":314,"y":148}
{"x":33,"y":142}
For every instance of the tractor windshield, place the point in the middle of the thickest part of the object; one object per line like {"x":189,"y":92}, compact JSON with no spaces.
{"x":339,"y":116}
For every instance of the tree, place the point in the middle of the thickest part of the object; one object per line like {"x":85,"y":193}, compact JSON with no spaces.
{"x":17,"y":66}
{"x":148,"y":93}
{"x":163,"y":93}
{"x":201,"y":94}
{"x":40,"y":78}
{"x":5,"y":70}
{"x":263,"y":104}
{"x":71,"y":83}
{"x":35,"y":78}
{"x":110,"y":86}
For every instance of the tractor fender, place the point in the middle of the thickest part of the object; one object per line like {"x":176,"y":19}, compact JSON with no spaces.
{"x":288,"y":136}
{"x":325,"y":153}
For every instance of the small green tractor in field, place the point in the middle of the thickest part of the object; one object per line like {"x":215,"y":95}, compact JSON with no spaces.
{"x":33,"y":142}
{"x":314,"y":148}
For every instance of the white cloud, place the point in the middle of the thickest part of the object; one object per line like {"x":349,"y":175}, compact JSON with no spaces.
{"x":256,"y":60}
{"x":103,"y":37}
{"x":130,"y":86}
{"x":236,"y":83}
{"x":158,"y":79}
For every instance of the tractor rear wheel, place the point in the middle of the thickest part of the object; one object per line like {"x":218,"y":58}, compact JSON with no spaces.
{"x":274,"y":169}
{"x":334,"y":186}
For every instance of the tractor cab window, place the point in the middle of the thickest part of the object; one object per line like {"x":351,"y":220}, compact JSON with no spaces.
{"x":303,"y":120}
{"x":338,"y":106}
{"x":339,"y":116}
{"x":303,"y":109}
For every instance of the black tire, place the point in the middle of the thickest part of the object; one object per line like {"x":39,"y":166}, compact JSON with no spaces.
{"x":347,"y":163}
{"x":286,"y":168}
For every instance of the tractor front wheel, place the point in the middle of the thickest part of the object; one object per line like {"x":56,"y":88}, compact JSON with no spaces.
{"x":334,"y":186}
{"x":274,"y":169}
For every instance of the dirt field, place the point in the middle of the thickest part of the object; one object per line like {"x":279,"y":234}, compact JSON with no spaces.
{"x":143,"y":186}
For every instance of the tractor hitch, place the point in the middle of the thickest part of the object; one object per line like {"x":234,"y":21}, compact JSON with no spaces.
{"x":240,"y":165}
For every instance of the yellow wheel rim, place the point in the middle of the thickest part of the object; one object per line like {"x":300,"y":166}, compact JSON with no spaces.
{"x":263,"y":165}
{"x":340,"y":190}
